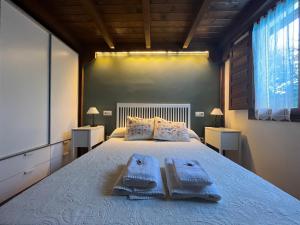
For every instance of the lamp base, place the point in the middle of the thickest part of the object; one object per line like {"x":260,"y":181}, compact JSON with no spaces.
{"x":93,"y":121}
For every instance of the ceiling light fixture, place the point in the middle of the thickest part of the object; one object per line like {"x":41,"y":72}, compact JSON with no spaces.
{"x":133,"y":53}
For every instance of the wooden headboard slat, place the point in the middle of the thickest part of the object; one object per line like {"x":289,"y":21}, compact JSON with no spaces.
{"x":173,"y":112}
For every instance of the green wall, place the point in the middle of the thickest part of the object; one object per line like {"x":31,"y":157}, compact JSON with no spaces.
{"x":190,"y":79}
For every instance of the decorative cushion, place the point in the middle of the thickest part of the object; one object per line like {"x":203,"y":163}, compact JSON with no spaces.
{"x":118,"y":132}
{"x":139,"y":128}
{"x":170,"y":131}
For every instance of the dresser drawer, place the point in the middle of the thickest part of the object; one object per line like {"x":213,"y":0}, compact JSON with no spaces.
{"x":60,"y":149}
{"x":22,"y":180}
{"x":16,"y":164}
{"x":35,"y":174}
{"x":10,"y":187}
{"x":56,"y":163}
{"x":59,"y":153}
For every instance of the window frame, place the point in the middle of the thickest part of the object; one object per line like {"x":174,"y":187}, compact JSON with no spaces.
{"x":295,"y":112}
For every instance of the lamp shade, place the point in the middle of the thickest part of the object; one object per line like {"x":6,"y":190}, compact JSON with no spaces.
{"x":92,"y":110}
{"x":216,"y":112}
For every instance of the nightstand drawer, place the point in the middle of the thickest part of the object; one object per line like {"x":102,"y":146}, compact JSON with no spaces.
{"x":223,"y":139}
{"x":81,"y":138}
{"x":97,"y":136}
{"x":230,"y":141}
{"x":213,"y":138}
{"x":87,"y":137}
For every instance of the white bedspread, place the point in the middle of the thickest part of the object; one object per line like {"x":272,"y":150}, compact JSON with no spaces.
{"x":80,"y":193}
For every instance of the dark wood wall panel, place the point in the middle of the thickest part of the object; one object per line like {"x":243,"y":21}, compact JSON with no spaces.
{"x":240,"y":74}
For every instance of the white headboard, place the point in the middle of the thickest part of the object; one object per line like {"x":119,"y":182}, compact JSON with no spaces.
{"x":172,"y":112}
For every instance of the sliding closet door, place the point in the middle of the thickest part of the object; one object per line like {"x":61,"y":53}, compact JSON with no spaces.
{"x":64,"y":90}
{"x":24,"y":74}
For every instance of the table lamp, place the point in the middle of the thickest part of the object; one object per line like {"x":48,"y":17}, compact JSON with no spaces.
{"x":217,"y":112}
{"x":93,"y":111}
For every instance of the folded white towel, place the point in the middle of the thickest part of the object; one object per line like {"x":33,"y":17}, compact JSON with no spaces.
{"x":176,"y":191}
{"x":190,"y":173}
{"x":137,"y":193}
{"x":142,"y":172}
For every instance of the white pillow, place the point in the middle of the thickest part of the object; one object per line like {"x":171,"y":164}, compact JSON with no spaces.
{"x":121,"y":131}
{"x":139,"y":128}
{"x":192,"y":134}
{"x":118,"y":133}
{"x":170,"y":131}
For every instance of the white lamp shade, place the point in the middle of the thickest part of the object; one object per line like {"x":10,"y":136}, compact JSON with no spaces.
{"x":92,"y":110}
{"x":216,"y":112}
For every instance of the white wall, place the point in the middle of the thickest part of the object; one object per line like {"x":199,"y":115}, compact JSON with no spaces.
{"x":270,"y":149}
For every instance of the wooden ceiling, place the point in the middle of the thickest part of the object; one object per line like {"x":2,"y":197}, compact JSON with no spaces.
{"x":141,"y":24}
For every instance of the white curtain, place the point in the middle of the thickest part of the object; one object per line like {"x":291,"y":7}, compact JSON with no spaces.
{"x":275,"y":42}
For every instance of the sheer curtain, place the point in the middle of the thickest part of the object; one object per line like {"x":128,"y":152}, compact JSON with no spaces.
{"x":275,"y":43}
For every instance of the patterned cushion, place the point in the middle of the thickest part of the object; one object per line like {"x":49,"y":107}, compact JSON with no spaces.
{"x":170,"y":131}
{"x":139,"y":129}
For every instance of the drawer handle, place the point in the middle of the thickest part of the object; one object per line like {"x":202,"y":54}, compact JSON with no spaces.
{"x":66,"y":142}
{"x":28,"y":171}
{"x":28,"y":154}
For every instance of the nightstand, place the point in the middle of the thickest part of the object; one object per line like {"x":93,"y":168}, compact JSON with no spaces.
{"x":87,"y":137}
{"x":223,"y":139}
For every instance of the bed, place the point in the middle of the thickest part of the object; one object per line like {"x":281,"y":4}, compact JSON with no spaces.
{"x":80,"y":193}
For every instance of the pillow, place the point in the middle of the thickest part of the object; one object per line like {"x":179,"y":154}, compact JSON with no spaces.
{"x":170,"y":131}
{"x":118,"y":133}
{"x":121,"y":131}
{"x":192,"y":134}
{"x":139,"y":128}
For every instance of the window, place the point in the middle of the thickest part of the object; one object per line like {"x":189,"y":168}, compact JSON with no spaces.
{"x":275,"y":43}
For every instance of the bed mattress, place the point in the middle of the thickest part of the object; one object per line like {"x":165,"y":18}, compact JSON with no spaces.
{"x":80,"y":193}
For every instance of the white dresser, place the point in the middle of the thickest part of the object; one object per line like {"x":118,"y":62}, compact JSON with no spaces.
{"x":87,"y":137}
{"x":223,"y":139}
{"x":20,"y":172}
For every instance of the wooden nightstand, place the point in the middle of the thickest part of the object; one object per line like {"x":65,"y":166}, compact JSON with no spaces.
{"x":87,"y":137}
{"x":223,"y":139}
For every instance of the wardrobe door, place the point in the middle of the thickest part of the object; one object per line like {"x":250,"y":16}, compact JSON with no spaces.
{"x":24,"y":82}
{"x":64,"y":90}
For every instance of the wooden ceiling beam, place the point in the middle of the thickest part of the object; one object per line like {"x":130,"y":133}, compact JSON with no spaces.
{"x":196,"y":22}
{"x":147,"y":22}
{"x":91,"y":9}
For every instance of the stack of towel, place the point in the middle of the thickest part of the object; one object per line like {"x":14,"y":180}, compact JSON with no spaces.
{"x":187,"y":179}
{"x":140,"y":179}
